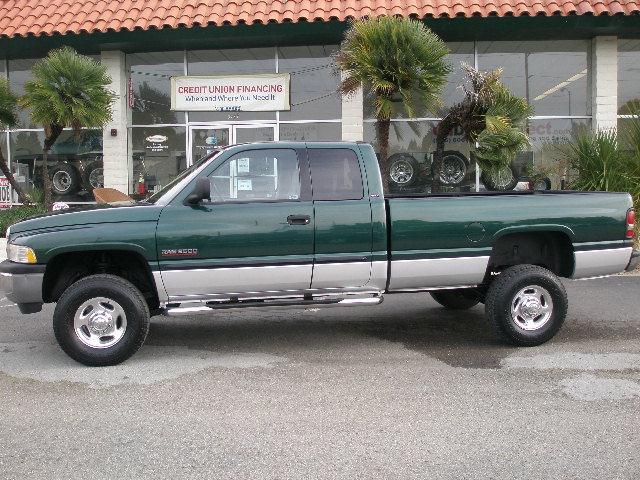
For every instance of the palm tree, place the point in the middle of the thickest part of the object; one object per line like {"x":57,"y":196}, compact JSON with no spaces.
{"x":398,"y":60}
{"x":8,"y":118}
{"x":67,"y":90}
{"x":491,"y":118}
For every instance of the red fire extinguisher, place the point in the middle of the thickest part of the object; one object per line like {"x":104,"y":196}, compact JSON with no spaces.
{"x":141,"y":187}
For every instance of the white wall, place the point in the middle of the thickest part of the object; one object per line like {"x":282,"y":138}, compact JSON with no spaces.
{"x":118,"y":169}
{"x":604,"y":83}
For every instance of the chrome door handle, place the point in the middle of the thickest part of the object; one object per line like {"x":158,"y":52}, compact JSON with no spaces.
{"x":298,"y":219}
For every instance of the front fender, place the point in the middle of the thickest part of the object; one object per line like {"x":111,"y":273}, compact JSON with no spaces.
{"x":138,"y":237}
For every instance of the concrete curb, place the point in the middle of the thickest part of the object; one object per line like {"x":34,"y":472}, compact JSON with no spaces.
{"x":3,"y":249}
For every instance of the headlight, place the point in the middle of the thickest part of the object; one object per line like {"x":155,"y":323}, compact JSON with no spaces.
{"x":21,"y":254}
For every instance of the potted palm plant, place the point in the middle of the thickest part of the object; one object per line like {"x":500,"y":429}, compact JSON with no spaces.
{"x":492,"y":119}
{"x":400,"y":61}
{"x":68,"y":90}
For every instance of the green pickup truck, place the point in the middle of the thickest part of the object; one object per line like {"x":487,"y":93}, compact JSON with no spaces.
{"x":307,"y":224}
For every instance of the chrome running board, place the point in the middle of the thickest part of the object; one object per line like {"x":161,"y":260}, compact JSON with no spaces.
{"x":195,"y":308}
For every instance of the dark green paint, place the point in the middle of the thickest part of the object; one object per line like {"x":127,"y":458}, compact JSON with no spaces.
{"x":258,"y":233}
{"x":440,"y":223}
{"x":235,"y":231}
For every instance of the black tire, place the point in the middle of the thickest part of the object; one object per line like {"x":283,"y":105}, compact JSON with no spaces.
{"x":115,"y":289}
{"x":64,"y":179}
{"x":94,"y":176}
{"x":409,"y":174}
{"x":542,"y":184}
{"x":454,"y":168}
{"x":502,"y":181}
{"x":457,"y":299}
{"x":502,"y":296}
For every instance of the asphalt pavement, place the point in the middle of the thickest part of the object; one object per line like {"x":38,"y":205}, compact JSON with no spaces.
{"x":403,"y":390}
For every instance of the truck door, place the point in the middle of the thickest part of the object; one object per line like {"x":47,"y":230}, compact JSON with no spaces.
{"x":256,"y":234}
{"x":343,"y":231}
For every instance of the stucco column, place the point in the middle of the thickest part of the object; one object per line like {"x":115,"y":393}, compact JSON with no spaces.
{"x":604,"y":82}
{"x":352,"y":117}
{"x":118,"y":167}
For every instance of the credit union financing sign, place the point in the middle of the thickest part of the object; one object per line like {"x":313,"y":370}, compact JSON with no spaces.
{"x":231,"y":93}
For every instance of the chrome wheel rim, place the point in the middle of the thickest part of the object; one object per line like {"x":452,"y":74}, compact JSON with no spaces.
{"x":502,"y":178}
{"x":540,"y":185}
{"x":531,"y":308}
{"x":401,"y":172}
{"x":100,"y":322}
{"x":96,"y":178}
{"x":453,"y":170}
{"x":61,"y":181}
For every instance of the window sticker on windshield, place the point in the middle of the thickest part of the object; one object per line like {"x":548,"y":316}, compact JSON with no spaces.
{"x":243,"y":166}
{"x":245,"y":185}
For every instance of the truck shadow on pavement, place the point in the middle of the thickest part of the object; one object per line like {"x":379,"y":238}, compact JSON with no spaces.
{"x":458,"y":338}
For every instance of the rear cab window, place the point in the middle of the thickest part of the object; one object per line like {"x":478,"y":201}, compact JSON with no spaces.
{"x":335,"y":174}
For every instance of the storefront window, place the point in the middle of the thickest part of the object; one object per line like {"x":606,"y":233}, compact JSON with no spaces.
{"x":231,"y":62}
{"x":19,"y":73}
{"x":74,"y":163}
{"x":151,"y":74}
{"x":543,"y":162}
{"x":310,"y":132}
{"x":628,"y":76}
{"x":158,"y":155}
{"x":411,"y":145}
{"x":314,"y":82}
{"x":552,"y":76}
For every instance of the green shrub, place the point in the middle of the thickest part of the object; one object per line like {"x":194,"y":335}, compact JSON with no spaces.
{"x":16,"y":214}
{"x":606,"y":160}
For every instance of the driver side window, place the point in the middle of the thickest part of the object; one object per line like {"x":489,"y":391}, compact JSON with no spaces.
{"x":257,"y":175}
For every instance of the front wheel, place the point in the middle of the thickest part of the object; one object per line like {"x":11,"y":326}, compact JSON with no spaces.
{"x":403,"y":170}
{"x":64,"y":179}
{"x":526,"y":305}
{"x":454,"y":168}
{"x":101,"y":320}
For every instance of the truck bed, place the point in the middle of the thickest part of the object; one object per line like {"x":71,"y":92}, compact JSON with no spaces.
{"x":452,"y":235}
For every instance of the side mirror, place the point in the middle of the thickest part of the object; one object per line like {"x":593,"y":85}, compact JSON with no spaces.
{"x":202,"y":191}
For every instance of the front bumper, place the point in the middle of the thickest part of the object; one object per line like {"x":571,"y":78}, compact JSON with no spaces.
{"x":635,"y":259}
{"x":22,"y":283}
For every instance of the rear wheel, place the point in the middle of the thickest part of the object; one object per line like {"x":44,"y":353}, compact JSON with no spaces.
{"x":64,"y":179}
{"x":101,"y":320}
{"x":526,"y":305}
{"x":457,"y":299}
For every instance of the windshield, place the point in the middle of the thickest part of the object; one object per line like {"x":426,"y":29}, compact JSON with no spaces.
{"x":184,"y":174}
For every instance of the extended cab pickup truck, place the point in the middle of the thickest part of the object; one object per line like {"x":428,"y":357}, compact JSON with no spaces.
{"x":307,"y":224}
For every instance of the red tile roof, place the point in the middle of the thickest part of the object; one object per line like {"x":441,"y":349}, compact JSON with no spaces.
{"x":47,"y":17}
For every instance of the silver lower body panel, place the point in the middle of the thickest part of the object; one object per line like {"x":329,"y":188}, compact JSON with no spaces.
{"x":437,"y":272}
{"x":598,"y":263}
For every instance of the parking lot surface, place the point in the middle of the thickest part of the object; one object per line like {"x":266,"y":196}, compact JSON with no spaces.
{"x":404,"y":390}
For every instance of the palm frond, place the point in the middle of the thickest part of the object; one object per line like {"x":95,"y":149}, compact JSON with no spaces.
{"x":393,"y":56}
{"x":8,"y":103}
{"x":68,"y":89}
